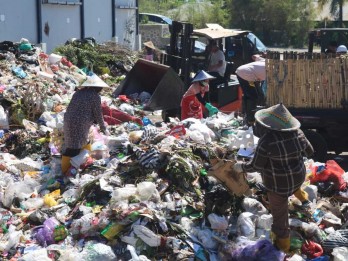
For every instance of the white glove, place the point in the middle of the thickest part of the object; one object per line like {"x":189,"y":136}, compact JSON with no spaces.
{"x":238,"y":168}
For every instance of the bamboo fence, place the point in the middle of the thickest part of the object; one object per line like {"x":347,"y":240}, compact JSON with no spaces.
{"x":307,"y":80}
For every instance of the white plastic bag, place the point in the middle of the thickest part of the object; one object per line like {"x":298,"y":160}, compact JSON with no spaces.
{"x":246,"y":225}
{"x":3,"y":119}
{"x":253,"y":206}
{"x":146,"y":235}
{"x":97,"y":251}
{"x":340,"y":253}
{"x":217,"y":222}
{"x":265,"y":221}
{"x":241,"y":139}
{"x":78,"y":160}
{"x":145,"y":190}
{"x":40,"y":254}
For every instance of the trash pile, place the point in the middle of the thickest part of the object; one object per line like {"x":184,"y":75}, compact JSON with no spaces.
{"x":151,"y":190}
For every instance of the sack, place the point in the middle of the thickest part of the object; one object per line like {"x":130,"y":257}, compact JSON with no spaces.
{"x":262,"y":250}
{"x":235,"y":182}
{"x":332,"y":173}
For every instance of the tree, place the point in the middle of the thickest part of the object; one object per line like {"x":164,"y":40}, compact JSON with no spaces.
{"x":275,"y":22}
{"x":336,"y":9}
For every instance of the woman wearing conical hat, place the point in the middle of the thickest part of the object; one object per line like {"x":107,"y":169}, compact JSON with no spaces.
{"x":83,"y":111}
{"x":196,"y":97}
{"x":149,"y":50}
{"x":279,"y":158}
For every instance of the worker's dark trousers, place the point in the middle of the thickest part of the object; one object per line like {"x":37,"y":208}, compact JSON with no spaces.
{"x":280,"y":212}
{"x":249,"y":100}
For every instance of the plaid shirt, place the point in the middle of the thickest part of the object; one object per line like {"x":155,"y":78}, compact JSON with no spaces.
{"x":279,"y":159}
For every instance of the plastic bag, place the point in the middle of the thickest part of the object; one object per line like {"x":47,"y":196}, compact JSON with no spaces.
{"x":265,"y":221}
{"x":120,"y":194}
{"x":45,"y":235}
{"x":246,"y":225}
{"x":32,"y":203}
{"x":78,"y":160}
{"x":4,"y":124}
{"x":340,"y":253}
{"x":253,"y":206}
{"x":97,"y":251}
{"x":217,"y":222}
{"x":10,"y":239}
{"x":39,"y":254}
{"x":127,"y":108}
{"x":207,"y":133}
{"x":146,"y":235}
{"x":145,"y":190}
{"x":262,"y":250}
{"x":205,"y":237}
{"x":241,"y":139}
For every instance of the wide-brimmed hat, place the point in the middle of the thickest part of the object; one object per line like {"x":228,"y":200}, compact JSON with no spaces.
{"x":149,"y":44}
{"x":341,"y":49}
{"x":277,"y":118}
{"x":94,"y":81}
{"x":201,"y":76}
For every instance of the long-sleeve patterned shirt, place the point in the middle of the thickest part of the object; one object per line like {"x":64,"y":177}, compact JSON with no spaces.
{"x":279,"y":159}
{"x":84,"y":109}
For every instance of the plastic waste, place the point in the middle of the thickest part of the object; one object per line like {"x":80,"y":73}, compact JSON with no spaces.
{"x":262,"y":250}
{"x":134,"y":255}
{"x":125,"y":107}
{"x":4,"y":123}
{"x":99,"y":150}
{"x":10,"y":239}
{"x":78,"y":160}
{"x":265,"y":221}
{"x":146,"y":235}
{"x":340,"y":253}
{"x":217,"y":222}
{"x":45,"y":235}
{"x":246,"y":225}
{"x":112,"y":230}
{"x":205,"y":236}
{"x":241,"y":139}
{"x":312,"y":191}
{"x":18,"y":71}
{"x":32,"y":203}
{"x":146,"y":121}
{"x":50,"y":199}
{"x":124,"y":193}
{"x":254,"y":206}
{"x":146,"y":189}
{"x":97,"y":251}
{"x":296,"y":257}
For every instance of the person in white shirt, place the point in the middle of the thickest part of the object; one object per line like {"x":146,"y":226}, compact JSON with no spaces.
{"x":249,"y":76}
{"x":217,"y":62}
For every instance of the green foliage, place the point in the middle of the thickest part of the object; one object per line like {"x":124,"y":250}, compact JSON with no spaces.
{"x":81,"y":55}
{"x":95,"y":57}
{"x":190,"y":11}
{"x":284,"y":23}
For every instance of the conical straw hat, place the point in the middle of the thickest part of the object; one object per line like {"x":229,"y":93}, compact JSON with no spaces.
{"x":149,"y":44}
{"x":277,"y":118}
{"x":94,"y":81}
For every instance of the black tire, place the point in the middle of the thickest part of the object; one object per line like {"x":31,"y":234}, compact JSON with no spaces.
{"x":319,"y":145}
